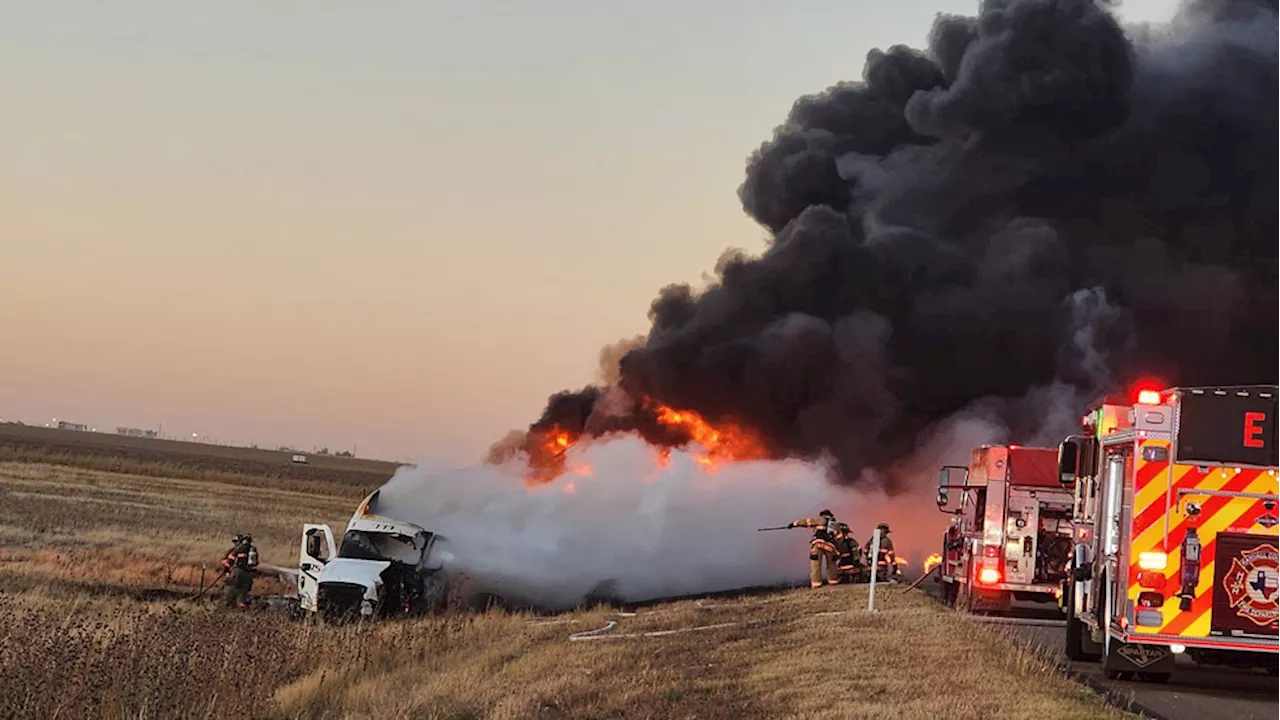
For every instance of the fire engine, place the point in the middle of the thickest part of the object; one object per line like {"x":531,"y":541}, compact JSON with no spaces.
{"x":1011,"y":536}
{"x":1175,"y":531}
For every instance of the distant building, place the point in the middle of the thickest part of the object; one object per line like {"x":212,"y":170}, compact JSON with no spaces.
{"x":137,"y":432}
{"x":64,"y":425}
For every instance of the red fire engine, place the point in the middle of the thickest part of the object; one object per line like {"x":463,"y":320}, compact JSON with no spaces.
{"x":1175,"y":531}
{"x":1011,"y":536}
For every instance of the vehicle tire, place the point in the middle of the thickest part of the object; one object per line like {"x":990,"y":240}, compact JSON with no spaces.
{"x":486,"y":601}
{"x":949,"y":594}
{"x":435,"y":595}
{"x":1079,"y":647}
{"x":1075,"y":629}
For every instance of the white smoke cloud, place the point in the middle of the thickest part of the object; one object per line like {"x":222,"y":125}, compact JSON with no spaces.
{"x":652,"y":531}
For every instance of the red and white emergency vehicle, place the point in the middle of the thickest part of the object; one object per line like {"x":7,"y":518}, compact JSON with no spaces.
{"x":1010,"y":537}
{"x":1176,"y":531}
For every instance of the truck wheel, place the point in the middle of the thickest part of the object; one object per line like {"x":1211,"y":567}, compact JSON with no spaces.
{"x":434,"y":596}
{"x":485,"y":601}
{"x":1079,"y":645}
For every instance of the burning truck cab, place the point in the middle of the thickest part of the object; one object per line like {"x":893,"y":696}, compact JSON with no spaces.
{"x":382,"y":567}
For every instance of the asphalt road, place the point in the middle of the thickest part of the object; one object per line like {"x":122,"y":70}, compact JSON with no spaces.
{"x":1192,"y":693}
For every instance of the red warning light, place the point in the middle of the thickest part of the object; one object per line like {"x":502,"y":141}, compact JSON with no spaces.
{"x":1147,"y":392}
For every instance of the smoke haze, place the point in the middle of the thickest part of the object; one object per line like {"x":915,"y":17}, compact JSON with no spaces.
{"x":1035,"y":209}
{"x":967,"y":246}
{"x":640,"y":531}
{"x":653,"y":531}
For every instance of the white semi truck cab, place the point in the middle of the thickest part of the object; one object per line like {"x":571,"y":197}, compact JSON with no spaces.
{"x":381,"y":567}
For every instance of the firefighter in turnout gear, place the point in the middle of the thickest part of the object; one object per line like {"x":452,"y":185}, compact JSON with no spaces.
{"x":847,"y":553}
{"x":886,"y":566}
{"x":240,"y":563}
{"x":822,"y":547}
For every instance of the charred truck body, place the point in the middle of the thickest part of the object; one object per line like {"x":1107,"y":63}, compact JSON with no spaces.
{"x":1175,"y":530}
{"x":1011,"y":536}
{"x":383,"y":567}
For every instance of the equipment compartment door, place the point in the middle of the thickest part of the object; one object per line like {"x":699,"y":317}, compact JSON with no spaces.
{"x":1245,"y":586}
{"x":1020,"y":536}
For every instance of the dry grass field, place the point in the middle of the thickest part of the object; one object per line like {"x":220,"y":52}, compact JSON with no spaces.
{"x":80,"y":635}
{"x":64,"y":527}
{"x":198,"y":461}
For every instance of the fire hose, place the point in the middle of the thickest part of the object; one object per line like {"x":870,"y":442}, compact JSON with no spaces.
{"x":221,"y":575}
{"x":932,"y":570}
{"x":602,"y":633}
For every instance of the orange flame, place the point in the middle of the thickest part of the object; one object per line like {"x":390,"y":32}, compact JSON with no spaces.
{"x":715,"y":445}
{"x":719,"y":445}
{"x":547,"y":455}
{"x":932,"y":561}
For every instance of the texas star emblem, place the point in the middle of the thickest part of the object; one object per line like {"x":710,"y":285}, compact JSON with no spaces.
{"x":1253,"y":584}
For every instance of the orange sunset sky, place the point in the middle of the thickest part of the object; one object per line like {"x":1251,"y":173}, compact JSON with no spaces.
{"x":398,"y":225}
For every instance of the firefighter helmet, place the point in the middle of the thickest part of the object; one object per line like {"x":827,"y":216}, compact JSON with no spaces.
{"x":883,"y":526}
{"x":827,"y":513}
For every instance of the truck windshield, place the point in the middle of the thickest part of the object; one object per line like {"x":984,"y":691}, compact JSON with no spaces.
{"x":360,"y":545}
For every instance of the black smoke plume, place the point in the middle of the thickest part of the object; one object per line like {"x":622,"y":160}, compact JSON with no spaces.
{"x":1039,"y":200}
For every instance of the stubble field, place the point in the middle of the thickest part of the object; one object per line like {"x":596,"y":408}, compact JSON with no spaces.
{"x":97,"y":568}
{"x":326,"y":474}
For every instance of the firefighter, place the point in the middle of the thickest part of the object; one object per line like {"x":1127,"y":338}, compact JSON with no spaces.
{"x":847,"y":553}
{"x":822,"y":547}
{"x":240,"y":563}
{"x":885,"y":557}
{"x":953,"y":540}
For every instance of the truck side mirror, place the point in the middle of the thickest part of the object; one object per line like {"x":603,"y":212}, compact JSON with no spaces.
{"x":1069,"y":461}
{"x":944,"y":482}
